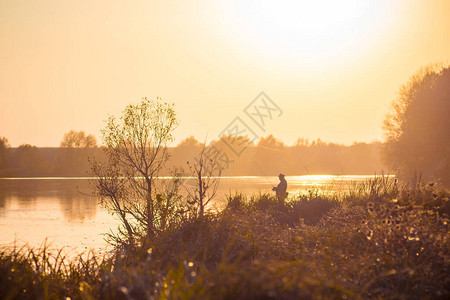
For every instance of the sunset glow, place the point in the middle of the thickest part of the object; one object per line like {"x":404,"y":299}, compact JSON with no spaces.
{"x":224,"y":149}
{"x":302,"y":33}
{"x":67,"y":66}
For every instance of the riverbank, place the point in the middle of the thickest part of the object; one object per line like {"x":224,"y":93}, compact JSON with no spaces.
{"x":377,"y":241}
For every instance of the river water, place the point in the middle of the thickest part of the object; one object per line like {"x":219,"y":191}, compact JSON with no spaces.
{"x":64,"y":213}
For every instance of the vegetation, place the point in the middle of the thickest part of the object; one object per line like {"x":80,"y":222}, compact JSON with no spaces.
{"x":29,"y":159}
{"x":305,"y":157}
{"x":136,"y":152}
{"x":269,"y":156}
{"x":71,"y":159}
{"x":206,"y":170}
{"x":78,"y":139}
{"x":418,"y":128}
{"x":43,"y":274}
{"x":376,"y":241}
{"x":3,"y":146}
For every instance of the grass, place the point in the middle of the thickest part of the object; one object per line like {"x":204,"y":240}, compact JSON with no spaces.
{"x":39,"y":273}
{"x":376,"y":241}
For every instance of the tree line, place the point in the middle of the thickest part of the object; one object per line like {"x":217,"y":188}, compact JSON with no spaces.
{"x":267,"y":157}
{"x":70,"y":159}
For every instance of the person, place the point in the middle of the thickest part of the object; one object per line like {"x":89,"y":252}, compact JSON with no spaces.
{"x":280,"y":190}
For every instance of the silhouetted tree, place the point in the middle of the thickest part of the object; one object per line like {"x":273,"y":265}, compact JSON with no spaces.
{"x":30,"y":161}
{"x":190,"y":142}
{"x":72,"y":157}
{"x":302,"y":142}
{"x":270,"y":156}
{"x":418,"y":127}
{"x":236,"y":143}
{"x":136,"y":152}
{"x":4,"y":145}
{"x":78,"y":139}
{"x":270,"y":142}
{"x":318,"y":143}
{"x":206,"y":168}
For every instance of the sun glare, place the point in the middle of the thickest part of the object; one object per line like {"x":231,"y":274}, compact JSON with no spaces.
{"x":305,"y":30}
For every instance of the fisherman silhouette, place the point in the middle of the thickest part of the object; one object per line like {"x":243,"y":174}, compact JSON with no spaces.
{"x":280,"y":190}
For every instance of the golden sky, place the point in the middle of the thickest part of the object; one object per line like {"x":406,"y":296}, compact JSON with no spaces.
{"x":333,"y":67}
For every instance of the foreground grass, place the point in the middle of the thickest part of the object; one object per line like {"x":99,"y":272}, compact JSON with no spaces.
{"x":374,"y":242}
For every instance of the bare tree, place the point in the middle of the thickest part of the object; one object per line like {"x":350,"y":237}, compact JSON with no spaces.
{"x":136,"y":152}
{"x":207,"y":169}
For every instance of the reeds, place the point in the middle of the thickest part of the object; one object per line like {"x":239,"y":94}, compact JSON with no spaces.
{"x":43,"y":273}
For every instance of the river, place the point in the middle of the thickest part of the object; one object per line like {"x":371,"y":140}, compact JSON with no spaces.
{"x":64,"y":213}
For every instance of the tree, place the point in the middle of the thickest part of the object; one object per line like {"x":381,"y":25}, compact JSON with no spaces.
{"x":136,"y":152}
{"x":30,"y":161}
{"x":4,"y":145}
{"x":72,"y":157}
{"x":190,"y":142}
{"x":78,"y":139}
{"x":270,"y":142}
{"x":302,"y":142}
{"x":206,"y":169}
{"x":417,"y":128}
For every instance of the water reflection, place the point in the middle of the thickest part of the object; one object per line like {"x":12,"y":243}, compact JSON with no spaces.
{"x":63,"y":211}
{"x":2,"y":203}
{"x":73,"y":197}
{"x":78,"y":208}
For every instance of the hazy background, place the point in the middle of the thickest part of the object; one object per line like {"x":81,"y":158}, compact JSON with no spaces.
{"x":333,"y":67}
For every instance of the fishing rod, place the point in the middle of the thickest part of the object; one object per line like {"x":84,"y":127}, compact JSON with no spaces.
{"x":268,"y":148}
{"x":259,"y":166}
{"x":262,"y":171}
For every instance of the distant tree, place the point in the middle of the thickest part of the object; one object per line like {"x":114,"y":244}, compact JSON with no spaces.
{"x":270,"y":142}
{"x":237,"y":143}
{"x":302,"y":142}
{"x":31,"y":161}
{"x":190,"y":142}
{"x":4,"y":145}
{"x":417,"y":128}
{"x":270,"y":156}
{"x":136,"y":152}
{"x":318,"y":143}
{"x":78,"y":139}
{"x":72,"y":158}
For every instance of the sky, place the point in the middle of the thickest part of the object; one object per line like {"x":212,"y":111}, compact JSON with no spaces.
{"x":331,"y":67}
